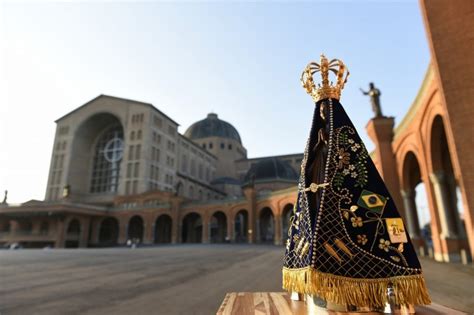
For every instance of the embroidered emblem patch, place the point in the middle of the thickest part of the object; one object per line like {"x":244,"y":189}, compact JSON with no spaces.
{"x":372,"y":201}
{"x":396,"y":230}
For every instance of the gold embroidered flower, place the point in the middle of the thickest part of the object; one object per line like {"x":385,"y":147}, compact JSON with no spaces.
{"x":362,"y":239}
{"x":356,"y":221}
{"x":384,"y":244}
{"x":344,"y":158}
{"x":352,"y":167}
{"x":351,"y":141}
{"x":345,"y":172}
{"x":354,"y":174}
{"x":355,"y":147}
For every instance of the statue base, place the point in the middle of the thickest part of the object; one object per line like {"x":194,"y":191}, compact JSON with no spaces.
{"x":283,"y":303}
{"x":315,"y":305}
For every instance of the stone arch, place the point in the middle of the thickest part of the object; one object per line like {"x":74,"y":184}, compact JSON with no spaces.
{"x":413,"y":185}
{"x":266,"y":204}
{"x":218,"y":227}
{"x":191,"y":231}
{"x":136,"y":228}
{"x":444,"y":182}
{"x":411,"y":171}
{"x":163,"y":226}
{"x":266,"y":225}
{"x":109,"y":231}
{"x":439,"y":148}
{"x":241,"y":226}
{"x":286,"y":214}
{"x":84,"y":154}
{"x":74,"y":227}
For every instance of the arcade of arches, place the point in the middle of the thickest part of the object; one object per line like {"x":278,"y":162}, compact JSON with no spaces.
{"x":249,"y":220}
{"x":419,"y":160}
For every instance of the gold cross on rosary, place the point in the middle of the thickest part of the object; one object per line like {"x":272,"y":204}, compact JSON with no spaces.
{"x":313,"y":187}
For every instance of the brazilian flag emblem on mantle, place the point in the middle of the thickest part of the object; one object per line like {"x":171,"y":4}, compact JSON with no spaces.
{"x":372,"y":201}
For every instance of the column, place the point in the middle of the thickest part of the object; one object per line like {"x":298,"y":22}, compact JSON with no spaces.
{"x":250,"y":228}
{"x":60,"y":242}
{"x":36,"y":226}
{"x":176,"y":221}
{"x":451,"y":184}
{"x":380,"y":130}
{"x":14,"y":227}
{"x":95,"y":226}
{"x":411,"y":214}
{"x":248,"y":232}
{"x":84,"y":236}
{"x":176,"y":232}
{"x":149,"y":227}
{"x":205,"y":230}
{"x":438,"y":179}
{"x":230,"y":230}
{"x":123,"y":233}
{"x":277,"y":230}
{"x":251,"y":196}
{"x":257,"y":231}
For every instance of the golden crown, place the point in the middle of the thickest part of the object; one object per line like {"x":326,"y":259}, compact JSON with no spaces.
{"x":326,"y":89}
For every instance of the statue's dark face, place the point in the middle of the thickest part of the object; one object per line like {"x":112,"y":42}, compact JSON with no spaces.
{"x":323,"y":111}
{"x":371,"y":85}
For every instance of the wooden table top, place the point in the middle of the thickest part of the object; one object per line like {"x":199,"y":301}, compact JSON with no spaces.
{"x":279,"y":303}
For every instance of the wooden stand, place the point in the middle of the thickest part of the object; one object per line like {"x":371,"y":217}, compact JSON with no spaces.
{"x":279,"y":303}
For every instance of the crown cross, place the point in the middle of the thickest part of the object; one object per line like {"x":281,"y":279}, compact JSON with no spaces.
{"x":325,"y":89}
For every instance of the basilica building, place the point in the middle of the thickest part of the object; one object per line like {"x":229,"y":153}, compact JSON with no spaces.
{"x":120,"y":170}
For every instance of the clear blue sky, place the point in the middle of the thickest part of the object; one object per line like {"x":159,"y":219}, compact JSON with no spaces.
{"x":240,"y":60}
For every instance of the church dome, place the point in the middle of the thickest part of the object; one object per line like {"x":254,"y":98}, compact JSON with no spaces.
{"x":212,"y":126}
{"x":271,"y":168}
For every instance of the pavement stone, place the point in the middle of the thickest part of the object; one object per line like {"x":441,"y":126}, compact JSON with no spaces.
{"x":171,"y":279}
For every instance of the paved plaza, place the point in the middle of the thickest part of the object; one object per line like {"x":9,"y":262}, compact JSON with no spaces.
{"x":180,"y":279}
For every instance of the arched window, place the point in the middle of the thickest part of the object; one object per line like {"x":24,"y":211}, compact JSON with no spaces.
{"x":74,"y":228}
{"x":193,"y":168}
{"x":200,"y":171}
{"x":107,"y":157}
{"x":184,"y":164}
{"x":44,"y":228}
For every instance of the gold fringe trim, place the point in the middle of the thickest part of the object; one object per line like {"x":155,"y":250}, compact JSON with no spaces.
{"x":358,"y":292}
